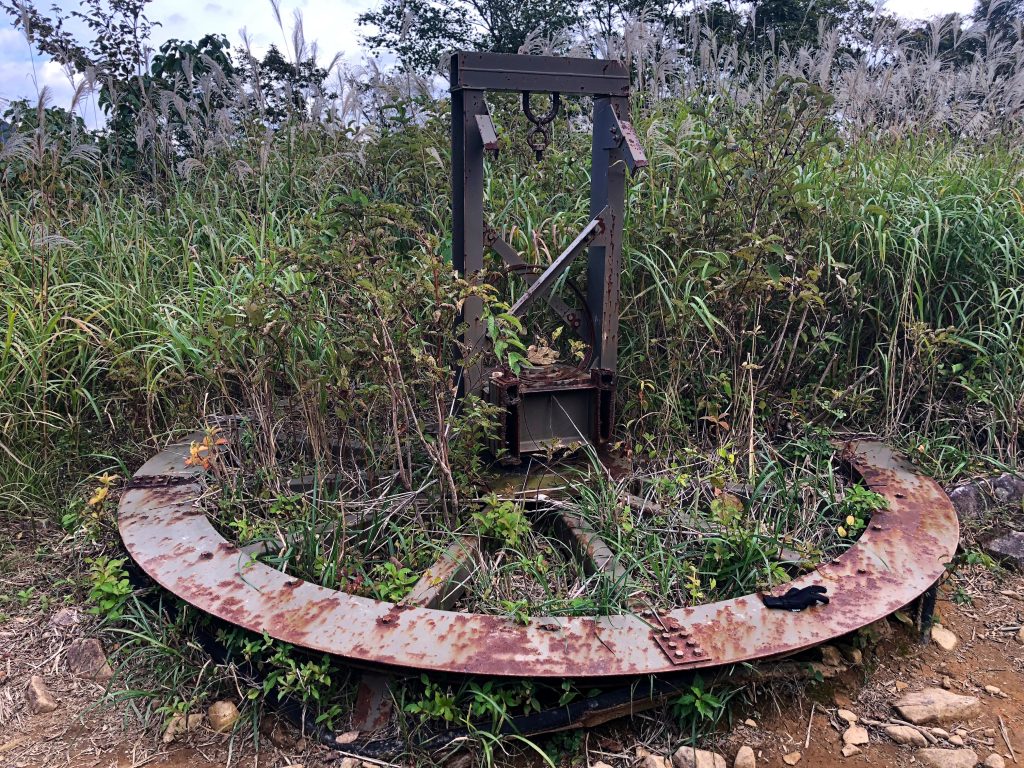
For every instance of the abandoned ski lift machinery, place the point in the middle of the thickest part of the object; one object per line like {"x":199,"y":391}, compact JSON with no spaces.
{"x":560,"y":403}
{"x":897,"y":559}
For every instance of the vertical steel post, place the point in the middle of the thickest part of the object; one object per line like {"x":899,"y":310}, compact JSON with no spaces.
{"x":468,"y":214}
{"x":607,"y":188}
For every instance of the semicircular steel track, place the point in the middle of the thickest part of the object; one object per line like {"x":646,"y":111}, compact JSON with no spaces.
{"x":903,"y":551}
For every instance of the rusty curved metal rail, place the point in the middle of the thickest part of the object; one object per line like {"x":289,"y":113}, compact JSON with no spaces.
{"x":899,"y":556}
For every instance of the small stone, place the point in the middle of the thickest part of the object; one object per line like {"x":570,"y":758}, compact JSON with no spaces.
{"x":995,"y":760}
{"x":460,"y":760}
{"x":792,"y":758}
{"x":295,"y":765}
{"x":688,"y":757}
{"x":600,"y":764}
{"x":745,"y":758}
{"x":280,"y":734}
{"x":349,"y":762}
{"x":179,"y":724}
{"x":850,"y":750}
{"x":654,"y":761}
{"x":901,"y":686}
{"x":349,"y":736}
{"x":990,"y":732}
{"x":847,"y":715}
{"x":841,"y":700}
{"x":935,"y":705}
{"x":830,"y":655}
{"x":855,"y":735}
{"x":65,"y":617}
{"x":1020,"y":635}
{"x":40,"y":700}
{"x":939,"y":733}
{"x":223,"y":716}
{"x":961,"y":732}
{"x":85,"y":658}
{"x":750,"y":723}
{"x":904,"y":734}
{"x":877,"y":631}
{"x":943,"y":638}
{"x":947,"y":683}
{"x":947,"y":758}
{"x":956,"y":740}
{"x":854,"y":656}
{"x":994,"y":690}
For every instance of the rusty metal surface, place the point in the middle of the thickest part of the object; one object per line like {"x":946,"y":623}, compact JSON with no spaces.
{"x":901,"y":554}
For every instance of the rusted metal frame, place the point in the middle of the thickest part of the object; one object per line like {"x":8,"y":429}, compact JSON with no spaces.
{"x":585,"y":543}
{"x":607,"y":194}
{"x":899,"y":556}
{"x":551,"y":74}
{"x":546,"y":280}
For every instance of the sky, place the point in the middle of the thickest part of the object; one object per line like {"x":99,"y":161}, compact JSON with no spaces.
{"x":331,"y":23}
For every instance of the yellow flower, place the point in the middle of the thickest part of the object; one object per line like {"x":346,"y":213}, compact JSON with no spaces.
{"x":99,"y":496}
{"x":850,"y":520}
{"x":841,"y":531}
{"x":106,"y":479}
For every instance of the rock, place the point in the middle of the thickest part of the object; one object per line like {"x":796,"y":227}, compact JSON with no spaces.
{"x":688,"y":757}
{"x":855,"y":735}
{"x":281,"y":735}
{"x":961,"y":732}
{"x":850,"y":750}
{"x":939,"y":733}
{"x":40,"y":700}
{"x":943,"y":638}
{"x":223,"y":716}
{"x":1009,"y":548}
{"x":654,"y":761}
{"x":901,"y":686}
{"x":349,"y":736}
{"x":349,"y":762}
{"x":179,"y":724}
{"x":792,"y":758}
{"x":947,"y":683}
{"x":995,"y":760}
{"x":854,"y":656}
{"x":904,"y":734}
{"x":877,"y":631}
{"x":750,"y":723}
{"x":968,"y":500}
{"x":65,"y":617}
{"x":1020,"y":635}
{"x":830,"y":655}
{"x":993,"y":690}
{"x":956,"y":740}
{"x":600,"y":764}
{"x":1008,"y":489}
{"x":935,"y":705}
{"x":85,"y":658}
{"x":745,"y":758}
{"x":841,"y":700}
{"x":947,"y":758}
{"x":847,"y":715}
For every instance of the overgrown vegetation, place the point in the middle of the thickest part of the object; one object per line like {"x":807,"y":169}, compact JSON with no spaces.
{"x":827,"y":240}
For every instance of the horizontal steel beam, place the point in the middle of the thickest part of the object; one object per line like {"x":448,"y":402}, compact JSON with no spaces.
{"x":551,"y":74}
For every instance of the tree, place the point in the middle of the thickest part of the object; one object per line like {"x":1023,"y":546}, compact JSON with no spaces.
{"x":283,"y":90}
{"x":421,"y":33}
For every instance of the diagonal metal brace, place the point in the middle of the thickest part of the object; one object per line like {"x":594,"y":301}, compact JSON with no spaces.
{"x":488,"y":135}
{"x":573,"y":318}
{"x":544,"y":283}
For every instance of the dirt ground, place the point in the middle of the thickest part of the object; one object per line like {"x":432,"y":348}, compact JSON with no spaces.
{"x":93,"y":729}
